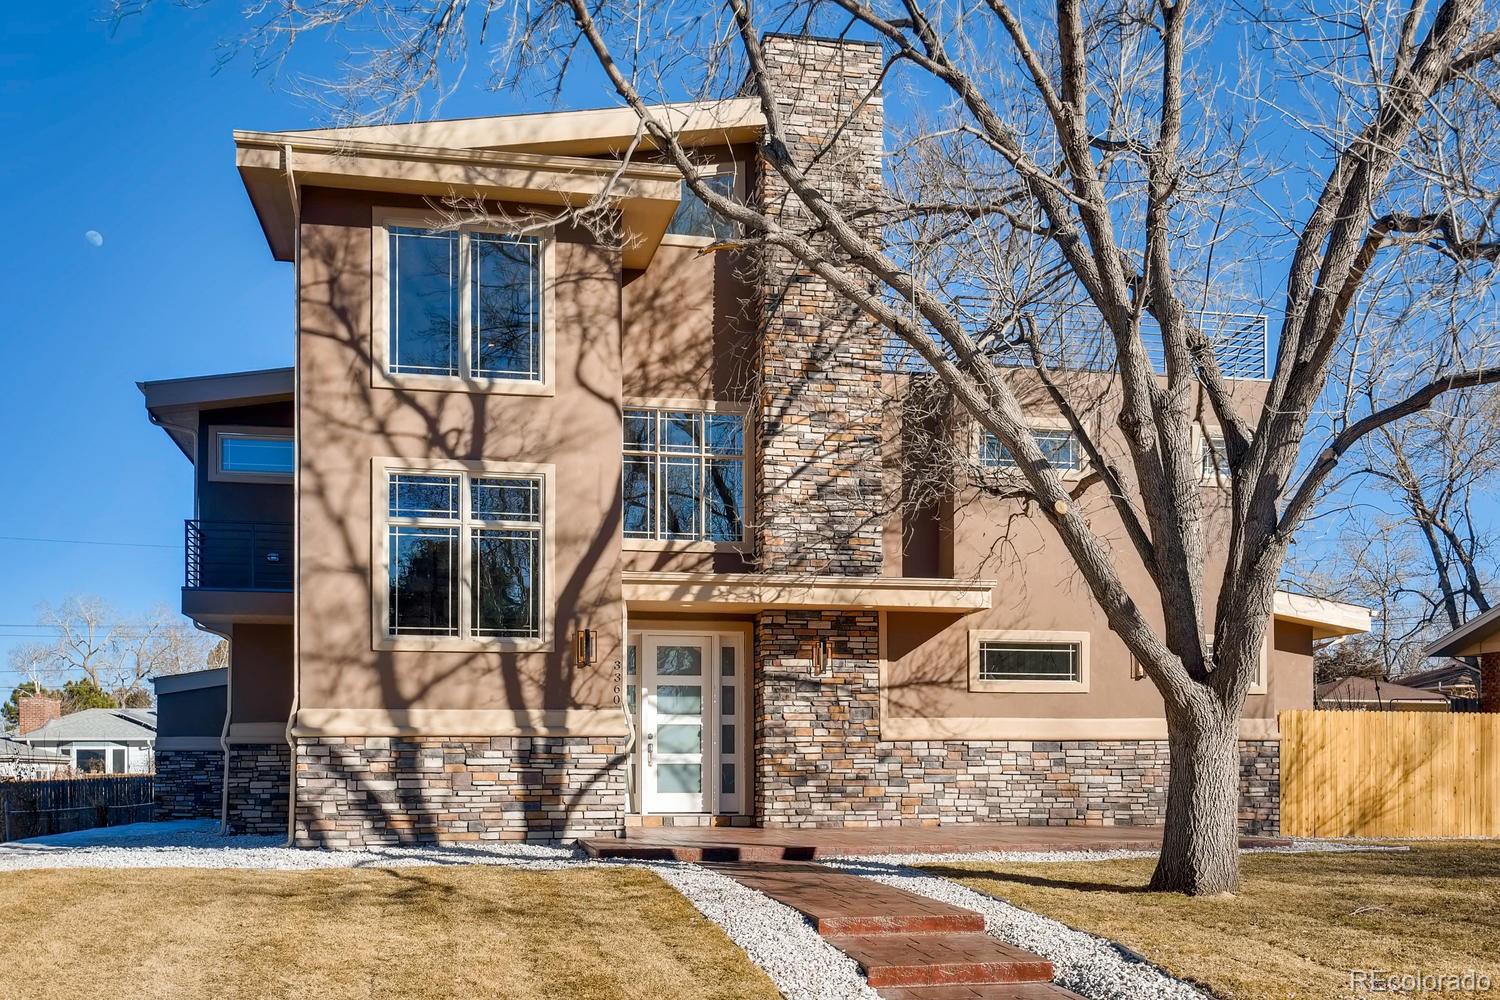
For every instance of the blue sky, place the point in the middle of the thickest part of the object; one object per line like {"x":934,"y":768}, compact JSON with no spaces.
{"x":126,"y":134}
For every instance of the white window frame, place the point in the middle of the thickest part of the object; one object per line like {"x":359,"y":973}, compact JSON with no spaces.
{"x":216,"y":436}
{"x":381,"y":469}
{"x":729,"y":167}
{"x":1205,"y":438}
{"x":1034,"y":424}
{"x":979,"y":636}
{"x":746,"y":493}
{"x":103,"y":748}
{"x":381,"y":377}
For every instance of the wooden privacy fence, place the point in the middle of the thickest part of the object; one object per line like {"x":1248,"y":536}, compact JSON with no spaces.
{"x":36,"y":808}
{"x":1390,"y":774}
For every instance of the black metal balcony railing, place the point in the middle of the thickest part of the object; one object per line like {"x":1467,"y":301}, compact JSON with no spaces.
{"x":238,"y":555}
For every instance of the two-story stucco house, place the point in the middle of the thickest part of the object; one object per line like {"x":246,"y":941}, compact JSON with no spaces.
{"x":540,"y":535}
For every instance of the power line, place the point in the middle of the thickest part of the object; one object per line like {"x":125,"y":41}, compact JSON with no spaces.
{"x":87,"y":541}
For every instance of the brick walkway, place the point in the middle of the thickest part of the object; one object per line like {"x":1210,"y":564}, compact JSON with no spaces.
{"x":908,"y":946}
{"x":722,"y":843}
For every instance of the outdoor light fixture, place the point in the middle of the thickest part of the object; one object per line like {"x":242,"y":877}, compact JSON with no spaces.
{"x":822,"y":653}
{"x":585,"y":646}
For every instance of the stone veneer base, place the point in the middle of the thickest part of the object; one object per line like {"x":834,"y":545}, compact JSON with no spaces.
{"x":259,"y":779}
{"x":189,"y":784}
{"x":387,"y":790}
{"x":819,"y":759}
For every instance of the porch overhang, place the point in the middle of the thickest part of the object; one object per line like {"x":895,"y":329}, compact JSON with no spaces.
{"x":275,"y":166}
{"x":741,"y":593}
{"x":1329,"y":619}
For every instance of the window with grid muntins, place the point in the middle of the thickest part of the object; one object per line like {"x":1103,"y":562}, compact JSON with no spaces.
{"x":1059,"y":447}
{"x":1028,"y":661}
{"x":491,"y":329}
{"x":684,"y":475}
{"x":465,"y":555}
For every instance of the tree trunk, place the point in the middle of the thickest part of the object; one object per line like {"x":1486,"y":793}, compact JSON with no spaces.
{"x":1200,"y":846}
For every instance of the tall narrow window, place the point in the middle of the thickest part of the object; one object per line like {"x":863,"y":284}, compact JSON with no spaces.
{"x":464,"y":303}
{"x":1059,"y":448}
{"x":424,"y":302}
{"x":465,"y":555}
{"x":684,"y":475}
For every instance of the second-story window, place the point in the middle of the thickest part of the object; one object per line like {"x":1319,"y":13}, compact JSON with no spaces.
{"x":1059,"y":448}
{"x":464,"y":552}
{"x":684,"y":477}
{"x":464,"y":304}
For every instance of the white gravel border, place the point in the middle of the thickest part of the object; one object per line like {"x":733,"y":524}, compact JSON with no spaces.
{"x":777,"y":938}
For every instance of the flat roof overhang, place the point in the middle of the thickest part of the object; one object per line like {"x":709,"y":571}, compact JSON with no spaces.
{"x":215,"y":609}
{"x":1478,"y":635}
{"x":276,"y":166}
{"x":173,"y":403}
{"x":739,"y":593}
{"x":1328,"y":619}
{"x":590,"y":132}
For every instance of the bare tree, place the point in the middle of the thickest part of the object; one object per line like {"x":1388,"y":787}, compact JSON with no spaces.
{"x":1135,"y":163}
{"x":117,"y":655}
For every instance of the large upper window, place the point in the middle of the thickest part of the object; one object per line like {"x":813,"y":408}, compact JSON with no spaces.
{"x":465,"y":304}
{"x":1028,"y":661}
{"x":251,"y":454}
{"x":693,"y":216}
{"x":684,"y":476}
{"x":1059,"y":448}
{"x":464,"y":555}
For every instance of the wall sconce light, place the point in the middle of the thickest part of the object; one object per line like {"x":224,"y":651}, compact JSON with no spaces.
{"x":822,"y":654}
{"x":585,"y":646}
{"x":1137,"y":672}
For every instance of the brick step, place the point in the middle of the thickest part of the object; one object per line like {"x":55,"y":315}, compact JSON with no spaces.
{"x":844,"y":905}
{"x":983,"y":991}
{"x":941,"y":960}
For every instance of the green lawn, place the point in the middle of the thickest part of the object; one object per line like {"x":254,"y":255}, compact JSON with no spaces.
{"x":1298,"y":925}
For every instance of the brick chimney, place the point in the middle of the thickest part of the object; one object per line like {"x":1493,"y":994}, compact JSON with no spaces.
{"x":35,"y":711}
{"x":819,"y":506}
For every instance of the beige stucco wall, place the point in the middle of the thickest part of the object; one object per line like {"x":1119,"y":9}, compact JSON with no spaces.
{"x":344,"y":422}
{"x":979,"y":537}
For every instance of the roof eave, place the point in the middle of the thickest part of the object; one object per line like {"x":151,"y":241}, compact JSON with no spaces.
{"x":1475,"y":636}
{"x":646,"y":194}
{"x":1328,"y":619}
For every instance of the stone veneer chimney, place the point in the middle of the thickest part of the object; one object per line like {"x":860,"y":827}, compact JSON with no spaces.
{"x":819,"y":505}
{"x":34,"y":711}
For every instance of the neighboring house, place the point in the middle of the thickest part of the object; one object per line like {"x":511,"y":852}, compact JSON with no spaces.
{"x":190,"y":711}
{"x":1477,"y":639}
{"x":1456,"y":680}
{"x":1366,"y":695}
{"x":542,"y":537}
{"x":99,"y":740}
{"x":19,"y":761}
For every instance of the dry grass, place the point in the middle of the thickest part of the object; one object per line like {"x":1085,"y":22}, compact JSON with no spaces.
{"x":428,"y":933}
{"x":1298,"y":925}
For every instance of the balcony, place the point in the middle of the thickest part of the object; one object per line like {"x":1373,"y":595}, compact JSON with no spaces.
{"x":1073,"y":339}
{"x":237,"y":571}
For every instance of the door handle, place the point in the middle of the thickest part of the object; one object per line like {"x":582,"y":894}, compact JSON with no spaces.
{"x":650,"y":747}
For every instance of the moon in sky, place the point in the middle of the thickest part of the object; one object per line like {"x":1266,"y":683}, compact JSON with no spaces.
{"x":94,"y":237}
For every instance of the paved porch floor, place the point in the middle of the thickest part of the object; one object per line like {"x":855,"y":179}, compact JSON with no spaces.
{"x":782,"y":844}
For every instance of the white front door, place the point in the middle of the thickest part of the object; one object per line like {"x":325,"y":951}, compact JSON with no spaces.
{"x":677,"y":695}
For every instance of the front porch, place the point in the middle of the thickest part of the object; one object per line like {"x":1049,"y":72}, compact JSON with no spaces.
{"x":731,"y":843}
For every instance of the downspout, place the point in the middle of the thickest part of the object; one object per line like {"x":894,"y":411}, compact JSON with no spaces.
{"x":224,"y":741}
{"x":291,"y":719}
